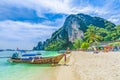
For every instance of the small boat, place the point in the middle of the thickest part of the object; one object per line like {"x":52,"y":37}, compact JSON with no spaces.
{"x":38,"y":60}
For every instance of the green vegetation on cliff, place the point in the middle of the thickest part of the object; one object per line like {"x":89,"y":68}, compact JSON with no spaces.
{"x":56,"y":45}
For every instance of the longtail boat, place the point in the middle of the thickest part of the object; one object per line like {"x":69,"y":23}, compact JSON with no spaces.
{"x":38,"y":60}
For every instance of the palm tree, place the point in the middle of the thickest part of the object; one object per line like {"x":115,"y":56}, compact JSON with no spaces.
{"x":92,"y":34}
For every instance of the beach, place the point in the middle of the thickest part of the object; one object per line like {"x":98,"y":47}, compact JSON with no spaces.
{"x":90,"y":66}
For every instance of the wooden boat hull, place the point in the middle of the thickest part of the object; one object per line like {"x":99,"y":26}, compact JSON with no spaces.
{"x":45,"y":60}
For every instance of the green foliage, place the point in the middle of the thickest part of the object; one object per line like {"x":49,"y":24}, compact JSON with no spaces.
{"x":56,"y":45}
{"x":114,"y":44}
{"x":85,"y":45}
{"x":109,"y":25}
{"x":92,"y":34}
{"x":102,"y":32}
{"x":77,"y":43}
{"x":96,"y":34}
{"x":113,"y":34}
{"x":116,"y":32}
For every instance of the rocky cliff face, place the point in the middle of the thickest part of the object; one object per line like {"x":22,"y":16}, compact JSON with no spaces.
{"x":75,"y":26}
{"x":72,"y":27}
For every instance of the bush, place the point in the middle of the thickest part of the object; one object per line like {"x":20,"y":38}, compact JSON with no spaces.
{"x":77,"y":43}
{"x":85,"y":45}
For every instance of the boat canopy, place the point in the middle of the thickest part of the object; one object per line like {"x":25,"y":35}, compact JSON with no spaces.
{"x":29,"y":54}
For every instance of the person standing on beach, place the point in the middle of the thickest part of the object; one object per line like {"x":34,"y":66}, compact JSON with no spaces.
{"x":65,"y":58}
{"x":68,"y":50}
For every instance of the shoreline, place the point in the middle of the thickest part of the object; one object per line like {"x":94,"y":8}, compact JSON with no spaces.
{"x":66,"y":72}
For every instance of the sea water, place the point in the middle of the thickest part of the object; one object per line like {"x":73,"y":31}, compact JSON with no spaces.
{"x":20,"y":71}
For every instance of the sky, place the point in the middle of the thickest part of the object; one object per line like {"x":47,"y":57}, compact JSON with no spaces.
{"x":23,"y":23}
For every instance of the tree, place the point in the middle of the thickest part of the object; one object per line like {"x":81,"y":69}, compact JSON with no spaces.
{"x":85,"y":45}
{"x":56,"y":45}
{"x":113,"y":34}
{"x":117,"y":32}
{"x":77,"y":43}
{"x":92,"y":34}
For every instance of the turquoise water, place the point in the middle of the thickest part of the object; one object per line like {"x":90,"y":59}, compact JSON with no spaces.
{"x":13,"y":71}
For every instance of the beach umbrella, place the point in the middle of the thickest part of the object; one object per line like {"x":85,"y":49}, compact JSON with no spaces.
{"x":108,"y":47}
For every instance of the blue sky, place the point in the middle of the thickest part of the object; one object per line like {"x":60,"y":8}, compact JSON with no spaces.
{"x":25,"y":22}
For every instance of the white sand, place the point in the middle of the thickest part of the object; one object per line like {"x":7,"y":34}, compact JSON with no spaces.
{"x":89,"y":66}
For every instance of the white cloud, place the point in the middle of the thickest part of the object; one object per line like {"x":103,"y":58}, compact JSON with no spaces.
{"x":58,"y":22}
{"x":115,"y":19}
{"x":55,"y":6}
{"x":22,"y":33}
{"x":65,"y":7}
